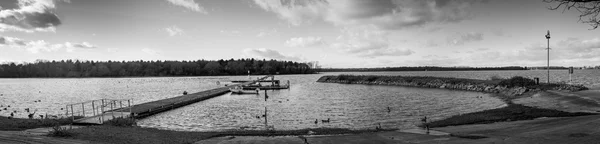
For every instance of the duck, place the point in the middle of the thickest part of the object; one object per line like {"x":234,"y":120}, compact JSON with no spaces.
{"x":326,"y":121}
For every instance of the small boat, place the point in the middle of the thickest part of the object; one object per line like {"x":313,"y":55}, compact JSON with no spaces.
{"x":240,"y":90}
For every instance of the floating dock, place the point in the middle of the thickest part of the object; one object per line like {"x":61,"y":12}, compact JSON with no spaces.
{"x":154,"y":107}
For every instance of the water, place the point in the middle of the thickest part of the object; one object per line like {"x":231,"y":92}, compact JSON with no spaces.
{"x":348,"y":106}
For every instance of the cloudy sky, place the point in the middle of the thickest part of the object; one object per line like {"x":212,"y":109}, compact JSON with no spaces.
{"x":337,"y":33}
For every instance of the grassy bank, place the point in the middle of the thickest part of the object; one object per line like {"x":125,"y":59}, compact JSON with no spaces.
{"x":512,"y":112}
{"x":114,"y":134}
{"x":17,"y":124}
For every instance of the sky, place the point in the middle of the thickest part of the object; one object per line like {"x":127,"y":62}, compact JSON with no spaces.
{"x":336,"y":33}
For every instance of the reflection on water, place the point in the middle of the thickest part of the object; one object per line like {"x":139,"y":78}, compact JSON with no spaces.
{"x":348,"y":106}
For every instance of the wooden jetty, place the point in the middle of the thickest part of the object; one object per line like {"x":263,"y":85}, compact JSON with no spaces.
{"x":150,"y":108}
{"x":245,"y":81}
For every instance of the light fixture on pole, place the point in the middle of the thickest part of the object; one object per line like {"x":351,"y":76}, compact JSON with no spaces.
{"x":548,"y":67}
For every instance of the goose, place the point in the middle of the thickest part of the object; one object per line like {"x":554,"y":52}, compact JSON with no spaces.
{"x":31,"y":115}
{"x":326,"y":121}
{"x":389,"y":110}
{"x":316,"y":121}
{"x":12,"y":114}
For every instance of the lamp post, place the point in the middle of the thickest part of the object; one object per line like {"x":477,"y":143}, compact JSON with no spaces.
{"x":548,"y":67}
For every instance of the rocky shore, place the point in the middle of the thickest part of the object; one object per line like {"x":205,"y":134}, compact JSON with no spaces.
{"x":487,"y":86}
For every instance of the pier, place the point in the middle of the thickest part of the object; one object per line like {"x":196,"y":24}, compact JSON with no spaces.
{"x":96,"y":116}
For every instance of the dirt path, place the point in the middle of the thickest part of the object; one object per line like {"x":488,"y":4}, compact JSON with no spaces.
{"x":21,"y":137}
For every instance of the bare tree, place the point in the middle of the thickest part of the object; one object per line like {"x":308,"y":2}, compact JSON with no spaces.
{"x":589,"y":9}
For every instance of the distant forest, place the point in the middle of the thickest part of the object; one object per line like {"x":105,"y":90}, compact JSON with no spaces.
{"x":76,"y":68}
{"x":421,"y":68}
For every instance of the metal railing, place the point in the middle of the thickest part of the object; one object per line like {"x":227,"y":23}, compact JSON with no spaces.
{"x":99,"y":107}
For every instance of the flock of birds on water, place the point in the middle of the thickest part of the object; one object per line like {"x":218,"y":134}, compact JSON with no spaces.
{"x":30,"y":115}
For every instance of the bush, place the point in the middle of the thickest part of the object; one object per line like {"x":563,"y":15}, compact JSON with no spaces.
{"x":58,"y":131}
{"x":517,"y":81}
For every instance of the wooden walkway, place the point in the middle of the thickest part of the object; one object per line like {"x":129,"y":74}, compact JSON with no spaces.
{"x":154,"y":107}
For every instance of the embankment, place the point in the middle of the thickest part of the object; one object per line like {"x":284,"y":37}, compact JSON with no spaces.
{"x":508,"y":88}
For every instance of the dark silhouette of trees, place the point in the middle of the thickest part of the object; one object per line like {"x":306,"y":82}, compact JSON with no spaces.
{"x":589,"y":9}
{"x":140,"y":68}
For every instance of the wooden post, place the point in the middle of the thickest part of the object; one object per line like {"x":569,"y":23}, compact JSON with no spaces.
{"x":72,"y":115}
{"x":67,"y":110}
{"x":82,"y":109}
{"x":266,"y":121}
{"x":93,"y":108}
{"x":102,"y":107}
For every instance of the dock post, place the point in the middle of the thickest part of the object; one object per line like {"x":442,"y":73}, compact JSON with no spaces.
{"x":67,"y":110}
{"x":72,"y":113}
{"x":102,"y":106}
{"x":93,"y":108}
{"x":82,"y":110}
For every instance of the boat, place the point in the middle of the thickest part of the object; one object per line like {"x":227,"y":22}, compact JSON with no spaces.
{"x":240,"y":90}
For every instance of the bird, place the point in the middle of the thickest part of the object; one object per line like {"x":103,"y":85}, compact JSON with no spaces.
{"x":326,"y":121}
{"x":389,"y":110}
{"x":12,"y":114}
{"x":316,"y":121}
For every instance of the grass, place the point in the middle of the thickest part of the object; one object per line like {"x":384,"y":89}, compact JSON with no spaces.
{"x":17,"y":124}
{"x":512,"y":112}
{"x":114,"y":134}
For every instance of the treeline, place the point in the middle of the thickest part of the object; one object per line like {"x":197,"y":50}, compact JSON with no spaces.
{"x":421,"y":68}
{"x":140,"y":68}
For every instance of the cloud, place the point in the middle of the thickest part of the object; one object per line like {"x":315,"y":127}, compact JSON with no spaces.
{"x":264,"y":33}
{"x":174,"y":30}
{"x":304,"y":42}
{"x":462,"y":38}
{"x":150,"y":51}
{"x":30,"y":16}
{"x":384,"y":14}
{"x":367,"y":42}
{"x":42,"y":46}
{"x":230,"y":32}
{"x":295,"y":12}
{"x":578,"y":45}
{"x":269,"y":54}
{"x":189,"y":4}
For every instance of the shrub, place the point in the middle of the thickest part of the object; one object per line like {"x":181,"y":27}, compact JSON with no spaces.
{"x":517,"y":81}
{"x":58,"y":131}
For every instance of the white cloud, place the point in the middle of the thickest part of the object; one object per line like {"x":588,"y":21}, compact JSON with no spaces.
{"x":269,"y":54}
{"x":189,"y":4}
{"x":385,"y":14}
{"x":174,"y":30}
{"x":264,"y":33}
{"x":30,"y":16}
{"x":462,"y":38}
{"x":42,"y":46}
{"x":367,"y":42}
{"x":304,"y":42}
{"x":150,"y":51}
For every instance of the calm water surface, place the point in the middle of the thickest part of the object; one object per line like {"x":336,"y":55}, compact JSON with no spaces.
{"x":348,"y":106}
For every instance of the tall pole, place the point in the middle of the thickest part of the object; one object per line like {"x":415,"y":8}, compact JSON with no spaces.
{"x":548,"y":67}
